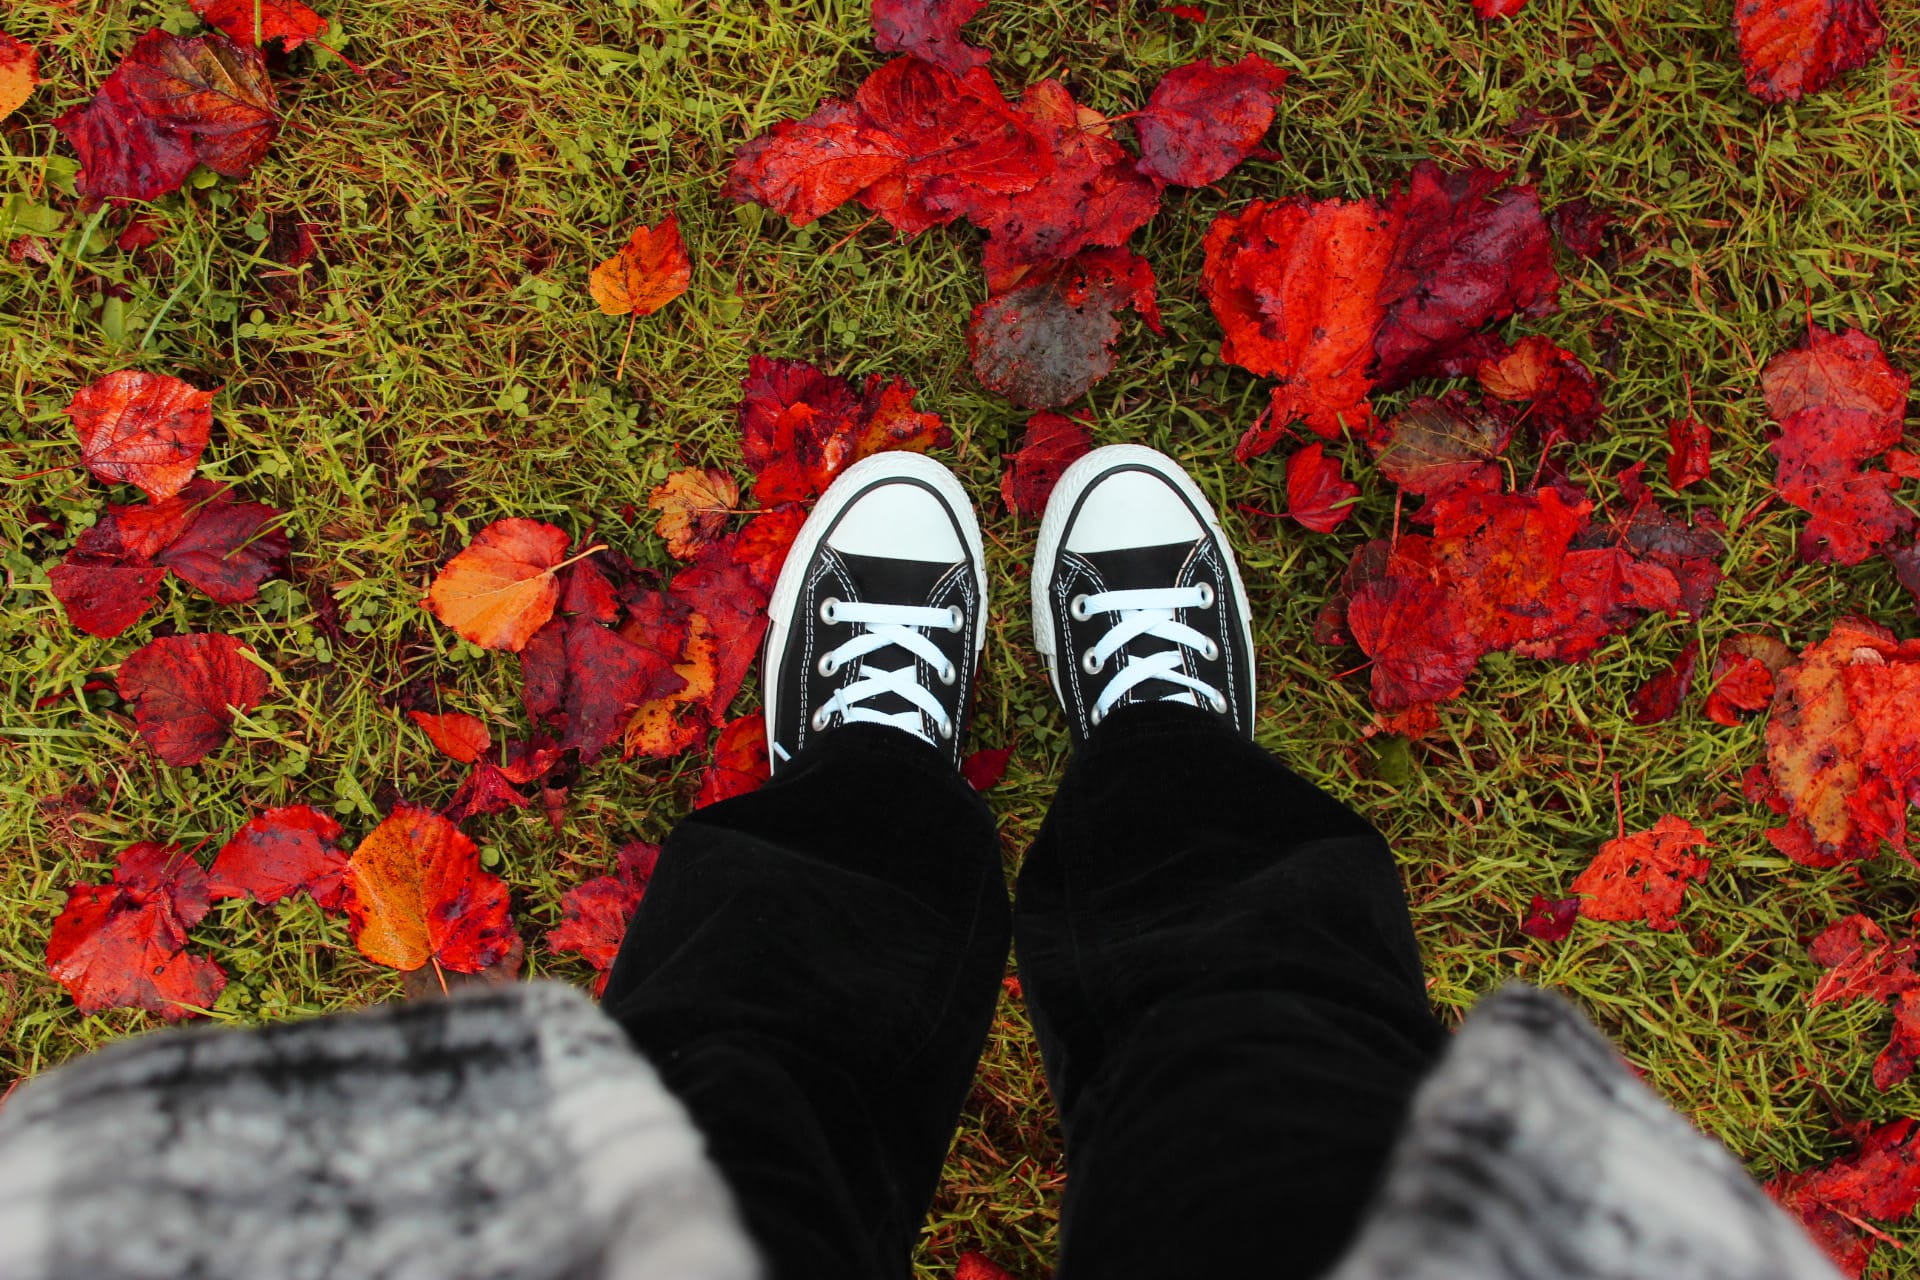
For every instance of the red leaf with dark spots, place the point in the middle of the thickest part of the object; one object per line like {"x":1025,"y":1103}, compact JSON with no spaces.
{"x":1791,"y":48}
{"x":739,"y":763}
{"x":143,"y":429}
{"x":984,"y":768}
{"x":1202,"y":120}
{"x":123,"y":944}
{"x":1643,"y":875}
{"x":590,"y":679}
{"x":1550,"y":920}
{"x":182,"y":687}
{"x":1880,"y":1180}
{"x":459,"y":736}
{"x":595,"y":914}
{"x":929,"y":30}
{"x":735,"y":610}
{"x":1661,"y":696}
{"x":1689,"y":452}
{"x":279,"y":852}
{"x":1047,"y":341}
{"x":1319,"y":497}
{"x":104,"y":587}
{"x":1051,"y":444}
{"x":805,"y":168}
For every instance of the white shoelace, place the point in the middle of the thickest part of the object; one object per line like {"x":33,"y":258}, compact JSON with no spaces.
{"x":888,"y":626}
{"x":1148,"y":612}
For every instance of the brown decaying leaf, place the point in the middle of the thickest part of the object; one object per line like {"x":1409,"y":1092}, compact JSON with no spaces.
{"x":143,"y":429}
{"x":500,"y":590}
{"x":694,"y":506}
{"x":648,"y":272}
{"x":1047,"y":341}
{"x":415,"y":892}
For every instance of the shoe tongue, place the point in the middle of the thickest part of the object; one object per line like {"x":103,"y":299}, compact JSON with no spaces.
{"x":1145,"y":569}
{"x":884,"y":580}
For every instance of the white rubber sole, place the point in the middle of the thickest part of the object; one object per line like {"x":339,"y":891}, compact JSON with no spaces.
{"x":847,"y":486}
{"x":1053,"y":528}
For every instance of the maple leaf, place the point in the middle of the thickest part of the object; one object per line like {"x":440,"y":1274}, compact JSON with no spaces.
{"x":1436,"y":446}
{"x":458,"y":736}
{"x":501,"y":588}
{"x":1050,"y":445}
{"x":1742,"y":679}
{"x":1319,"y":497}
{"x":143,"y":429}
{"x":739,"y":763}
{"x":1550,"y":920}
{"x":984,"y":768}
{"x":1293,"y":286}
{"x":929,"y":30}
{"x":799,"y":427}
{"x":123,"y":944}
{"x":1791,"y":48}
{"x":1838,"y":403}
{"x":1689,"y":452}
{"x":1643,"y":875}
{"x":1565,"y":401}
{"x":806,"y":168}
{"x":650,"y":270}
{"x":1879,"y":1180}
{"x":673,"y":723}
{"x":1418,"y":638}
{"x":1661,"y":695}
{"x":595,"y":914}
{"x":19,"y":73}
{"x":761,"y":545}
{"x":215,"y":543}
{"x":977,"y":1266}
{"x":1862,"y":963}
{"x":1466,"y":253}
{"x":590,"y":679}
{"x":1842,"y":757}
{"x":1201,"y":120}
{"x":183,"y":690}
{"x":170,"y":104}
{"x":415,"y":892}
{"x":1047,"y":341}
{"x":694,"y":505}
{"x":1095,"y":194}
{"x":279,"y":852}
{"x":724,"y":594}
{"x":255,"y":22}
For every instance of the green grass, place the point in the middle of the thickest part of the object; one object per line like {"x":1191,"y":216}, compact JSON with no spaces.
{"x":440,"y":366}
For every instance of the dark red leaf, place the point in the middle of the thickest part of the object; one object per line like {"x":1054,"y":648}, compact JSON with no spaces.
{"x":1318,"y":495}
{"x":181,"y":688}
{"x":595,"y":914}
{"x":487,"y":788}
{"x":1880,"y":1180}
{"x":984,"y":768}
{"x":123,"y":944}
{"x":590,"y":679}
{"x":1582,"y":228}
{"x":103,"y":586}
{"x":1550,"y":920}
{"x":1791,"y":48}
{"x":1418,"y":638}
{"x":1047,"y":341}
{"x":1661,"y":696}
{"x":279,"y":852}
{"x":227,"y":548}
{"x":1202,"y":120}
{"x":1437,"y":446}
{"x":1563,"y":399}
{"x":929,"y":30}
{"x":1689,"y":452}
{"x":1052,"y":442}
{"x":799,"y":427}
{"x":739,"y":763}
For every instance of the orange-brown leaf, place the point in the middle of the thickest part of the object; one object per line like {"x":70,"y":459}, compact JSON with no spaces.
{"x":415,"y":892}
{"x":649,"y":271}
{"x":459,"y":736}
{"x":694,"y":505}
{"x":142,"y":429}
{"x":19,"y":73}
{"x":501,"y":589}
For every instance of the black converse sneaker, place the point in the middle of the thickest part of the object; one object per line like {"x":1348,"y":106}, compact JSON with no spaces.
{"x":1136,"y":596}
{"x":880,"y":612}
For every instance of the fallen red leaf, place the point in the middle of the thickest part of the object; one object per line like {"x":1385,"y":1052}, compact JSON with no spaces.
{"x":1319,"y":496}
{"x":1192,"y":13}
{"x":1661,"y":695}
{"x":1049,"y":447}
{"x":1048,"y":340}
{"x":1791,"y":48}
{"x":929,"y":30}
{"x":123,"y":944}
{"x":225,"y":548}
{"x":761,"y":545}
{"x":799,"y":427}
{"x":977,"y":1266}
{"x":1689,"y":452}
{"x":595,"y":914}
{"x":173,"y":103}
{"x":650,"y":270}
{"x":1202,"y":120}
{"x":279,"y":852}
{"x":102,"y":589}
{"x":1491,"y":9}
{"x":143,"y":429}
{"x":1581,"y":226}
{"x":1417,"y":636}
{"x":1880,"y":1180}
{"x":984,"y":768}
{"x":501,"y":588}
{"x":459,"y":736}
{"x":1643,"y":875}
{"x":1903,"y":87}
{"x":1839,"y":403}
{"x":1450,"y":444}
{"x":415,"y":892}
{"x":589,"y":679}
{"x":1563,"y":399}
{"x":1550,"y":920}
{"x":806,"y":168}
{"x":1742,"y":679}
{"x":255,"y":22}
{"x":182,"y":689}
{"x":739,"y":763}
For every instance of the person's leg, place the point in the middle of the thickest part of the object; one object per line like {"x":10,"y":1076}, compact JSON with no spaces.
{"x":1217,"y":955}
{"x":815,"y":964}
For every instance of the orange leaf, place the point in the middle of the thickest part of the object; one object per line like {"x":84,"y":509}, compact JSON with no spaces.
{"x":501,"y":589}
{"x":459,"y":736}
{"x":143,"y":429}
{"x":667,"y":726}
{"x":694,"y":505}
{"x":19,"y":73}
{"x":651,"y":270}
{"x":415,"y":892}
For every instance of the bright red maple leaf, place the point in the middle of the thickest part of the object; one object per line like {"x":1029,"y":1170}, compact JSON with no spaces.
{"x":415,"y":893}
{"x":255,"y":22}
{"x":1839,"y":404}
{"x":1319,"y":496}
{"x":1742,"y":679}
{"x":1047,"y":341}
{"x":1791,"y":48}
{"x":1418,"y":638}
{"x":1862,"y":963}
{"x":595,"y":914}
{"x":173,"y":103}
{"x":799,"y":427}
{"x":1202,"y":120}
{"x":279,"y":852}
{"x":1643,"y":875}
{"x":739,"y":763}
{"x":1879,"y":1180}
{"x":1051,"y":444}
{"x":1689,"y":452}
{"x":929,"y":30}
{"x":143,"y":429}
{"x":761,"y":545}
{"x":806,"y":168}
{"x":123,"y":944}
{"x":183,"y":690}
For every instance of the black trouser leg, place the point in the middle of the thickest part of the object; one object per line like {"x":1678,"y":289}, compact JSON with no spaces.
{"x":813,"y":971}
{"x":1229,"y":1000}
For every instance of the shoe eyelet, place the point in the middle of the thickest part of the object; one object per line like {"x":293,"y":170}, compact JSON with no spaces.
{"x":944,"y":728}
{"x":1090,"y":664}
{"x":1077,"y":608}
{"x":1097,"y":716}
{"x":949,"y":673}
{"x":828,"y":608}
{"x":821,"y":719}
{"x":1206,"y":595}
{"x":1211,"y":652}
{"x":955,"y":618}
{"x":827,"y":666}
{"x":1219,"y":703}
